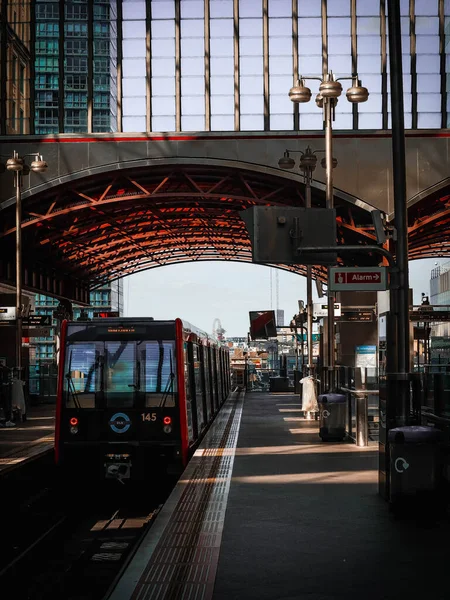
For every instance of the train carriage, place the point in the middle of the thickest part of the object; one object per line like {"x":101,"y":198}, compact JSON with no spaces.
{"x":135,"y":396}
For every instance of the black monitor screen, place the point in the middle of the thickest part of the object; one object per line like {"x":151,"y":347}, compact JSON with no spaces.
{"x":262,"y":324}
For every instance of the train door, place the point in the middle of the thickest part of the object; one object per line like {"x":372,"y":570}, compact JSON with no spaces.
{"x":198,"y":384}
{"x":210,"y":391}
{"x":190,"y":389}
{"x":204,"y":377}
{"x":215,"y":379}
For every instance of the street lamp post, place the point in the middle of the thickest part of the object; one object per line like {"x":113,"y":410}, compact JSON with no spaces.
{"x":307,"y":164}
{"x":329,"y":91}
{"x":16,"y":164}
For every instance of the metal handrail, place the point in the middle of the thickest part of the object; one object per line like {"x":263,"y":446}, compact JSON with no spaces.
{"x":361,"y":437}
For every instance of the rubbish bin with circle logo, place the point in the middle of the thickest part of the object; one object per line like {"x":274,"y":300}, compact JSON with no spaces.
{"x":414,"y":461}
{"x":332,"y":416}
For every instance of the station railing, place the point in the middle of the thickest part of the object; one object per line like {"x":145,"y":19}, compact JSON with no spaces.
{"x":359,"y":384}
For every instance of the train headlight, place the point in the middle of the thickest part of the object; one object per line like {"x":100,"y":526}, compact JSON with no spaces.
{"x":74,"y":421}
{"x":167,"y":420}
{"x":74,"y":430}
{"x":167,"y":428}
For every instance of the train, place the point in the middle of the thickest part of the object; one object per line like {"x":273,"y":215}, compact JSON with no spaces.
{"x":135,"y":395}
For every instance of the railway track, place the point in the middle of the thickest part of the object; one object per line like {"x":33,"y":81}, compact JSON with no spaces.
{"x":77,"y":552}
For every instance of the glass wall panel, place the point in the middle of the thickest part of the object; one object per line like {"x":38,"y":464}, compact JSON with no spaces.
{"x":280,"y":64}
{"x":192,"y":63}
{"x":251,"y":64}
{"x":47,"y":91}
{"x":222,"y":66}
{"x":368,"y":43}
{"x":133,"y":62}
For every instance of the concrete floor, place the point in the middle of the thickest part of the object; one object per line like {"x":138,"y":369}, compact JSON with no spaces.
{"x":304,"y":519}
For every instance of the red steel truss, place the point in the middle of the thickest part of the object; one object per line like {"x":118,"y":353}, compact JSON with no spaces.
{"x":101,"y":228}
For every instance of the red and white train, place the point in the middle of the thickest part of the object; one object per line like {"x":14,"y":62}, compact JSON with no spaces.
{"x":135,"y":396}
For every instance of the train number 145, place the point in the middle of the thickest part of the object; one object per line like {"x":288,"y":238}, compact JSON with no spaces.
{"x":148,"y":416}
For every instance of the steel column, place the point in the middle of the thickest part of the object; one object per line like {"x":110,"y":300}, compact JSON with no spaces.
{"x":328,"y":110}
{"x":309,"y":298}
{"x":295,"y":59}
{"x":237,"y":96}
{"x":399,"y":180}
{"x":207,"y":39}
{"x":120,"y":66}
{"x":148,"y":65}
{"x":17,"y":184}
{"x":266,"y":64}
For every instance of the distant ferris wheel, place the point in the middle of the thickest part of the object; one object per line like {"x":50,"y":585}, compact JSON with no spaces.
{"x":218,"y":330}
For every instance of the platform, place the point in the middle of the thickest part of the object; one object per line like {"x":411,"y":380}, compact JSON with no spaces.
{"x":28,"y":440}
{"x":265,"y":510}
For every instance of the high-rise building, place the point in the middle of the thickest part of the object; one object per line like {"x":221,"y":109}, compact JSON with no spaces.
{"x":70,"y":70}
{"x":15,"y":66}
{"x":440,"y":295}
{"x":279,"y":317}
{"x":104,"y":299}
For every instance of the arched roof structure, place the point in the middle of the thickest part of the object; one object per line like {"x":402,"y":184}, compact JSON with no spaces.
{"x":106,"y":225}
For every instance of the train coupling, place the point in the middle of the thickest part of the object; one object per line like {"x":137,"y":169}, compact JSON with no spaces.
{"x":117,"y":466}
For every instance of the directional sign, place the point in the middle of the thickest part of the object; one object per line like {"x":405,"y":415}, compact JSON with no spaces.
{"x":429,"y":316}
{"x":358,"y":279}
{"x":357,"y":315}
{"x":321,"y":310}
{"x":40,"y":320}
{"x":7,"y":313}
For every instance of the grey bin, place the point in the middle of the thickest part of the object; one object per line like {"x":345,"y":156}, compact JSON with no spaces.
{"x":414,"y":461}
{"x":332,"y":416}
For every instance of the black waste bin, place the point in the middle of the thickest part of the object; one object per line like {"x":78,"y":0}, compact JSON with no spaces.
{"x":279,"y":384}
{"x":414,"y":461}
{"x":333,"y":410}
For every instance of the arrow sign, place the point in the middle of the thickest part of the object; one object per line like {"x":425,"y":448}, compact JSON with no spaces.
{"x":358,"y":278}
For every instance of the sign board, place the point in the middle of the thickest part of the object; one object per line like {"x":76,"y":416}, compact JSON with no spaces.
{"x":321,"y":310}
{"x":37,"y":332}
{"x":278,"y":234}
{"x":40,"y":320}
{"x":429,"y":316}
{"x":7,"y":313}
{"x":357,"y":316}
{"x":360,"y":279}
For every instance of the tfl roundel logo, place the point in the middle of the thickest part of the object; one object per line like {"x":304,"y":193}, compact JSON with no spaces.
{"x":120,"y":423}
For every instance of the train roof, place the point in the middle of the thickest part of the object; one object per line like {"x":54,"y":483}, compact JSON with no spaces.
{"x":187,"y":327}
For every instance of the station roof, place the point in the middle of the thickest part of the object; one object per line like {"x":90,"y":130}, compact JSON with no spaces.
{"x":109,"y":225}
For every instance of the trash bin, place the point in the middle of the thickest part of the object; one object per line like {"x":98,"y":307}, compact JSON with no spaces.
{"x":279,"y":384}
{"x":333,"y":409}
{"x":414,"y":461}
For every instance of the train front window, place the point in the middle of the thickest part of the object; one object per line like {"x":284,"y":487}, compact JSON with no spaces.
{"x":157,"y":373}
{"x":120,"y":373}
{"x":82,"y":374}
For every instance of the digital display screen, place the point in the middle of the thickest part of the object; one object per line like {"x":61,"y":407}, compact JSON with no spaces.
{"x":121,"y":330}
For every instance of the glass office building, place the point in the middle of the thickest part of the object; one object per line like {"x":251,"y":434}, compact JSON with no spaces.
{"x":104,"y":299}
{"x":440,"y":295}
{"x":75,"y":81}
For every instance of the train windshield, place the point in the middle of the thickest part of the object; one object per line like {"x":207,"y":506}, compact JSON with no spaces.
{"x":124,"y":373}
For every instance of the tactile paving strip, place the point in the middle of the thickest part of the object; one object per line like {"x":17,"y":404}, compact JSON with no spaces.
{"x":183,"y":563}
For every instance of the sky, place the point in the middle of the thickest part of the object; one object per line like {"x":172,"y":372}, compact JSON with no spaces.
{"x":202,"y":292}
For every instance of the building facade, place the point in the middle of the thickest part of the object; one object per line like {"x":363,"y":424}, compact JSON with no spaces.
{"x":108,"y":298}
{"x":15,"y":67}
{"x":440,"y":295}
{"x":76,"y":81}
{"x":219,"y":65}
